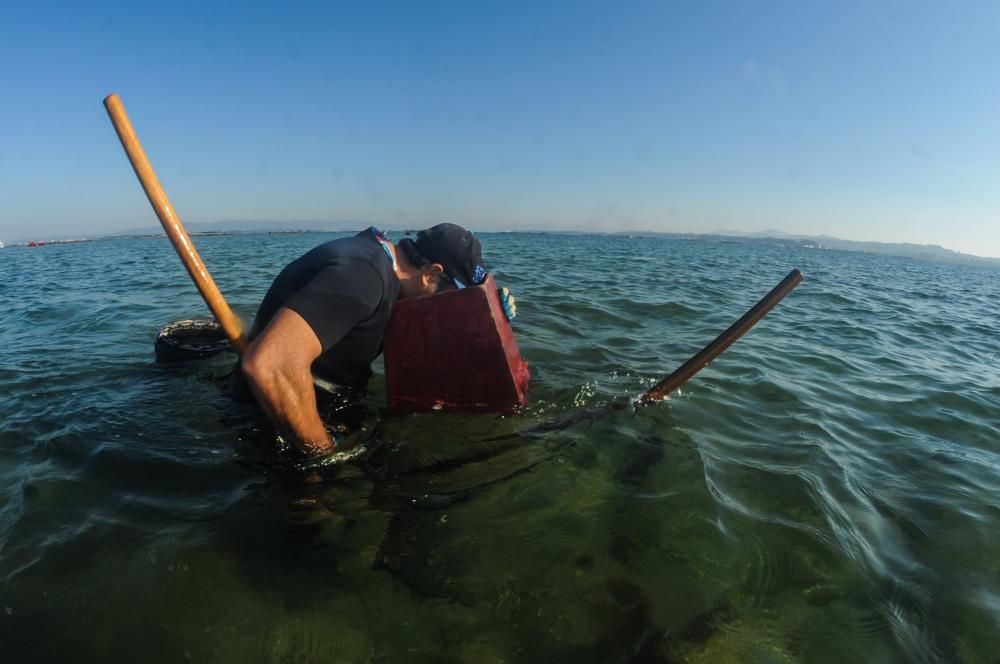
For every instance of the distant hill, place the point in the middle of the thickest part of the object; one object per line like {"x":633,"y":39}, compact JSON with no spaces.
{"x":926,"y":252}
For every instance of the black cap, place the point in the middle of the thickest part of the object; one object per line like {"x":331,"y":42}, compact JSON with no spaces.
{"x":456,"y":249}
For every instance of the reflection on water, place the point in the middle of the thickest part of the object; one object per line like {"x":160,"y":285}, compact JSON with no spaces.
{"x":826,"y":491}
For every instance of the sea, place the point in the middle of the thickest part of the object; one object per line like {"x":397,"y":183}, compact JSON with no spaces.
{"x":827,"y":490}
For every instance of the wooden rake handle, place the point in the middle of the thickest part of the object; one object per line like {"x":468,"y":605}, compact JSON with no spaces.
{"x":701,"y":359}
{"x":230,"y":322}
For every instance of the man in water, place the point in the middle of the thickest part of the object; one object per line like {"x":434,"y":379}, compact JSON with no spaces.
{"x":326,"y":313}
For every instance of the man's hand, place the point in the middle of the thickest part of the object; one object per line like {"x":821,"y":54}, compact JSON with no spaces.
{"x":278,"y":367}
{"x":509,"y":303}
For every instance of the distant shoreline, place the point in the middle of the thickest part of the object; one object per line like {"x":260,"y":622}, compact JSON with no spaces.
{"x":930,"y":253}
{"x":31,"y":244}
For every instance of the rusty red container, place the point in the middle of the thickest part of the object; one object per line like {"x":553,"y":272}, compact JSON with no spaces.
{"x":454,"y":351}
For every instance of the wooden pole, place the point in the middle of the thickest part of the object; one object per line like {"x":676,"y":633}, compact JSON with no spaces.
{"x":230,"y":322}
{"x":701,"y":359}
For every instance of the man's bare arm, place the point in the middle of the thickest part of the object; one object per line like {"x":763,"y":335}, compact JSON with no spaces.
{"x":278,"y":364}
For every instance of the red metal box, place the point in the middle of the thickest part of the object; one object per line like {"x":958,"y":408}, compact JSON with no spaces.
{"x":454,"y":351}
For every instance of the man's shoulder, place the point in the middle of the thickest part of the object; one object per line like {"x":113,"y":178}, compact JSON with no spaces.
{"x":351,"y":261}
{"x":345,"y":253}
{"x":363,"y":246}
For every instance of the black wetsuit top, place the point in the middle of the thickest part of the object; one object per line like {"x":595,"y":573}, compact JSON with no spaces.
{"x":344,"y":289}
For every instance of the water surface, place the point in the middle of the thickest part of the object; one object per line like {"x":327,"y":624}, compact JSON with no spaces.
{"x":826,"y":491}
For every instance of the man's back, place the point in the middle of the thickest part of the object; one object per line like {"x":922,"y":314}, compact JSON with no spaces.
{"x":344,"y":289}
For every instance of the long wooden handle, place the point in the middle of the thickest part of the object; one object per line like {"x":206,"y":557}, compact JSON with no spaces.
{"x":701,"y":359}
{"x":230,"y":322}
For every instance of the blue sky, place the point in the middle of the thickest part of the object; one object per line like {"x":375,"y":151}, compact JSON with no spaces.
{"x":861,"y":120}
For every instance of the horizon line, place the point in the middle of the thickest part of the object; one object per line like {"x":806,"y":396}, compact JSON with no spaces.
{"x":343,"y":227}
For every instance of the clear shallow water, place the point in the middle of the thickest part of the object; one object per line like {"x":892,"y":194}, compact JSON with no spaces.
{"x":826,"y":491}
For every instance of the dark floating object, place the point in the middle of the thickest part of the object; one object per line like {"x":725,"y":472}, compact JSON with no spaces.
{"x":190,"y":340}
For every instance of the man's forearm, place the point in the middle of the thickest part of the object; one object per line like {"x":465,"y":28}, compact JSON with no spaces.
{"x":277,"y":364}
{"x":289,"y":401}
